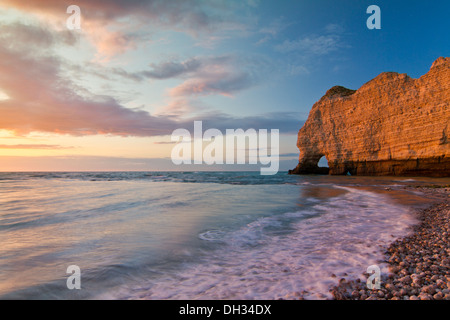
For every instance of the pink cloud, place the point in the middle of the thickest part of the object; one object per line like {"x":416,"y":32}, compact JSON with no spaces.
{"x":33,"y":146}
{"x":223,"y":75}
{"x":41,"y":99}
{"x":223,"y":83}
{"x":103,"y":21}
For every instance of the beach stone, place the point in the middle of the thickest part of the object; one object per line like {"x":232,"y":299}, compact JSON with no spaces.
{"x":389,"y":286}
{"x":424,"y":296}
{"x":405,"y":279}
{"x":429,"y":289}
{"x":438,"y":296}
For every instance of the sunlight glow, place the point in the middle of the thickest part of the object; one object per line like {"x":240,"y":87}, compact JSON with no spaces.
{"x":3,"y":96}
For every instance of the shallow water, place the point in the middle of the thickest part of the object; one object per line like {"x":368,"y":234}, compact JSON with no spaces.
{"x":195,"y":235}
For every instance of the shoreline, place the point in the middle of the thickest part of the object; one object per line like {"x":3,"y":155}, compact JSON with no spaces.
{"x":419,"y":263}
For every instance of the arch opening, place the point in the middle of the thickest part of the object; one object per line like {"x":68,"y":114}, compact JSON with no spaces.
{"x":323,"y":162}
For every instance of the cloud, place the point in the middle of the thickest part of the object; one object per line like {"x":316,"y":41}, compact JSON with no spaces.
{"x":83,"y":163}
{"x":182,"y":107}
{"x":301,"y":55}
{"x":95,"y":163}
{"x":113,"y":43}
{"x":288,"y":155}
{"x":224,"y":75}
{"x":41,"y":99}
{"x":165,"y":142}
{"x":286,"y":122}
{"x":33,"y":146}
{"x":316,"y":45}
{"x":208,"y":75}
{"x":334,"y":28}
{"x":171,"y":69}
{"x":104,"y":21}
{"x":272,"y":30}
{"x":223,"y":82}
{"x":20,"y":36}
{"x":183,"y":13}
{"x":201,"y":76}
{"x":297,"y":69}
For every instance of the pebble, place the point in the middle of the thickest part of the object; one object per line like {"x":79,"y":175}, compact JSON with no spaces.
{"x":418,"y":263}
{"x":438,"y":296}
{"x":429,"y":289}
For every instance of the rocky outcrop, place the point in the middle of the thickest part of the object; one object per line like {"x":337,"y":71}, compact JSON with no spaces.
{"x":392,"y":125}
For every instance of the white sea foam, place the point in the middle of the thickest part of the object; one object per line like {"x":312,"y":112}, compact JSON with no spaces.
{"x":339,"y":236}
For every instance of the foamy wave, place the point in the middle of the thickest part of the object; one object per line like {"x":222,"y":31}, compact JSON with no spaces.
{"x":267,"y":260}
{"x":212,"y":235}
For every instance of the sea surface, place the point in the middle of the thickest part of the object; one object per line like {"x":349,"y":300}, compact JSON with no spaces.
{"x":196,"y":235}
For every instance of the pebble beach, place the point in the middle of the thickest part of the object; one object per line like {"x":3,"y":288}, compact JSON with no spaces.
{"x":419,"y":264}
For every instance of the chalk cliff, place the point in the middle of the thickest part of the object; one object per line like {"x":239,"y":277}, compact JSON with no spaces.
{"x":392,"y":125}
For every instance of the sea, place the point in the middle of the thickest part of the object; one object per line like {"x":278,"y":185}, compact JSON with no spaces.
{"x":196,"y":235}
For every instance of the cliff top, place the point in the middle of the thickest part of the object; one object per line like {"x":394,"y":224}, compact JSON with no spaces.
{"x":392,"y":125}
{"x":439,"y":61}
{"x":382,"y":79}
{"x":339,"y":91}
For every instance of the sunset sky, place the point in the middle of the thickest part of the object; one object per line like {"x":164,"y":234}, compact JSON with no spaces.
{"x":108,"y":96}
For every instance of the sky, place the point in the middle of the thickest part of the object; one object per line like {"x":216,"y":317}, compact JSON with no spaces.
{"x":109,"y":95}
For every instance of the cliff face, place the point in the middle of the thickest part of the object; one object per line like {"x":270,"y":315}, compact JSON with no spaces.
{"x":392,"y":125}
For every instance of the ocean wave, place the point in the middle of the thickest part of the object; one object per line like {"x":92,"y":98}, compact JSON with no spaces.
{"x":276,"y":256}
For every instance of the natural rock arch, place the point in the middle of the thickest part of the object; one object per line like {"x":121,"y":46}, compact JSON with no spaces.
{"x":392,"y":125}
